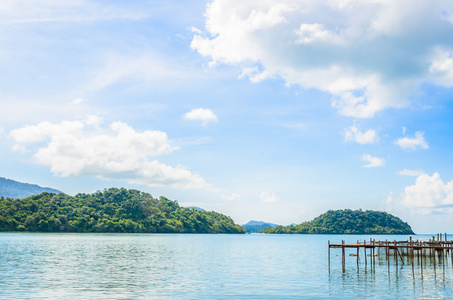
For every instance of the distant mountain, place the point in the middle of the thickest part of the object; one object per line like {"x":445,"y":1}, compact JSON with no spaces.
{"x":14,"y":189}
{"x":195,"y":208}
{"x":255,"y":226}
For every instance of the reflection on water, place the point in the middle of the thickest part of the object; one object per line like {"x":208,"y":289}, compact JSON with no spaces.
{"x":123,"y":266}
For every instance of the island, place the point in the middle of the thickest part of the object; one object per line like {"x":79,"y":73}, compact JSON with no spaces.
{"x":348,"y":221}
{"x":112,"y":210}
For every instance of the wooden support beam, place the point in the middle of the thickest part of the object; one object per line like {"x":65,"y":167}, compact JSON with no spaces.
{"x":397,"y":251}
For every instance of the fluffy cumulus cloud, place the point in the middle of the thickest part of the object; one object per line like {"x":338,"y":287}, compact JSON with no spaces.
{"x":369,"y":55}
{"x":417,"y":142}
{"x":268,"y":197}
{"x":201,"y":114}
{"x":353,"y":134}
{"x":372,"y":161}
{"x":84,"y":148}
{"x":429,"y":194}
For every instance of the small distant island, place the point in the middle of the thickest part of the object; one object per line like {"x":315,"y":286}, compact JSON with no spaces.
{"x":112,"y":210}
{"x":348,"y":222}
{"x":257,"y":226}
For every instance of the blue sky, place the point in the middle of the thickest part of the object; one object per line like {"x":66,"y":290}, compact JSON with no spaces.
{"x":264,"y":110}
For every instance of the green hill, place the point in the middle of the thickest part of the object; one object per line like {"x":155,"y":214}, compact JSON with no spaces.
{"x":113,"y":210}
{"x":348,"y":222}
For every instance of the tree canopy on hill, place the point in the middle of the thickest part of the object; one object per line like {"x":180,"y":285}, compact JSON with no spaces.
{"x":113,"y":210}
{"x":348,"y":222}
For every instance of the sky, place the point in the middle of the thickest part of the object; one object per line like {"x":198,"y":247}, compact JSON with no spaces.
{"x":262,"y":110}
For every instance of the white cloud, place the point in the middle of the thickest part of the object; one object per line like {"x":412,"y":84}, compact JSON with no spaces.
{"x":82,"y":148}
{"x":231,"y":197}
{"x":372,"y":161}
{"x":413,"y":143}
{"x":268,"y":197}
{"x":195,"y":30}
{"x":429,"y":194}
{"x":251,"y":73}
{"x":354,"y":134}
{"x":442,"y":67}
{"x":312,"y":33}
{"x":79,"y":101}
{"x":201,"y":114}
{"x":369,"y":55}
{"x":93,"y":120}
{"x":404,"y":129}
{"x":406,"y":172}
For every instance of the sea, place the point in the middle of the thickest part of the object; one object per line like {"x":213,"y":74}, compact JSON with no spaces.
{"x":209,"y":266}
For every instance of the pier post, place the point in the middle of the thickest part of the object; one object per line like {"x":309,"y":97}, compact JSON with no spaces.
{"x":373,"y":255}
{"x":394,"y":253}
{"x":358,"y":255}
{"x":358,"y":248}
{"x":388,"y":253}
{"x":328,"y":243}
{"x":412,"y":253}
{"x":364,"y":250}
{"x":343,"y":253}
{"x":433,"y":254}
{"x":421,"y":258}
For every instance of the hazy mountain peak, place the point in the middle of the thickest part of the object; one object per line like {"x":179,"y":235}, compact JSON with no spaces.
{"x":14,"y":189}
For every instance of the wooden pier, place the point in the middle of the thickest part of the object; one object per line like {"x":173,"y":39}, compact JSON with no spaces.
{"x":414,"y":251}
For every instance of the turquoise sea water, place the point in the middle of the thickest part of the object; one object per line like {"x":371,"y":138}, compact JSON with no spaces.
{"x":160,"y":266}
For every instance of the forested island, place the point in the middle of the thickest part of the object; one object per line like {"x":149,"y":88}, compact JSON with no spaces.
{"x":348,"y":222}
{"x":112,"y":210}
